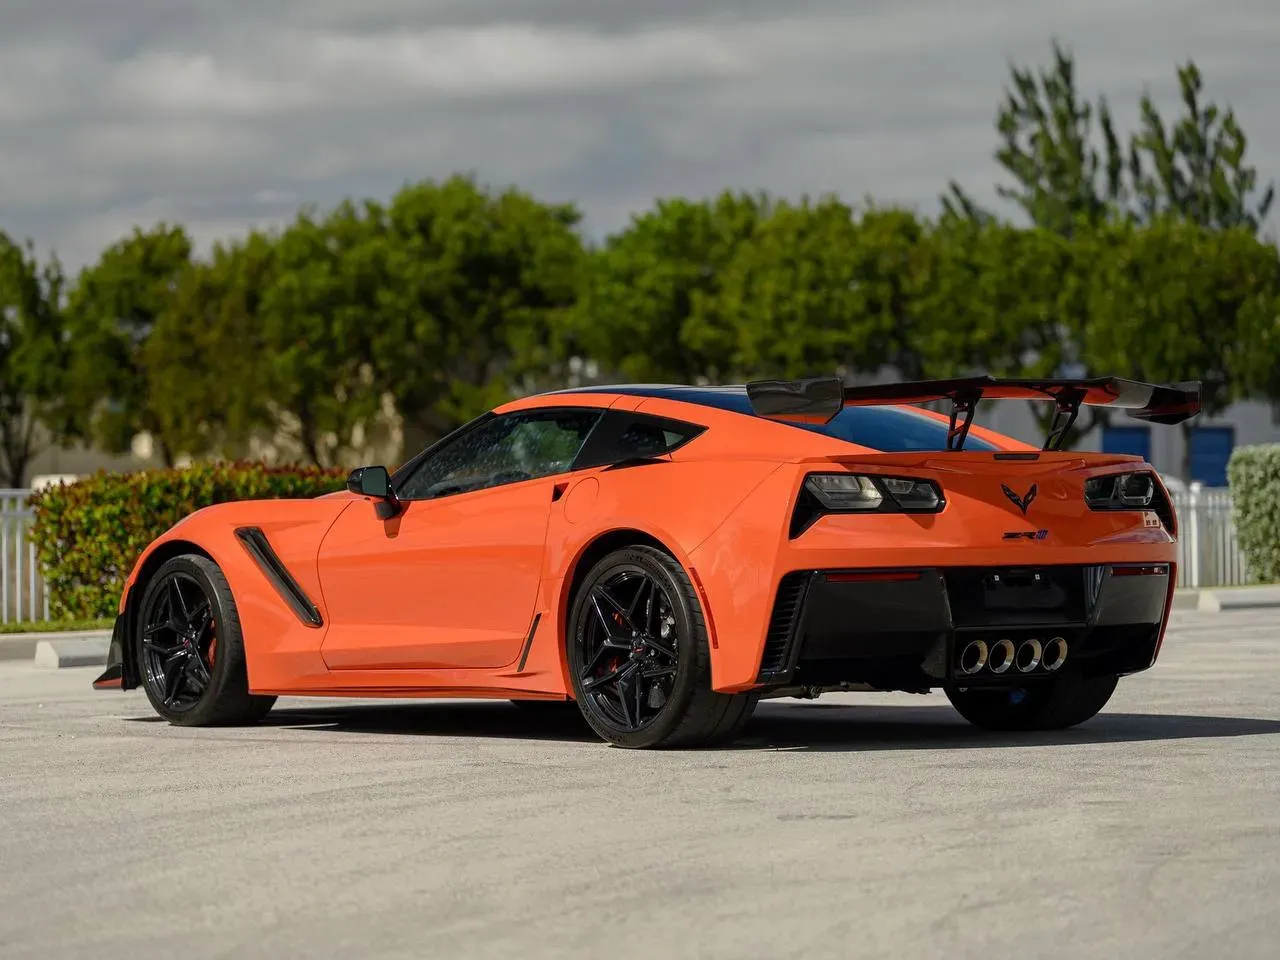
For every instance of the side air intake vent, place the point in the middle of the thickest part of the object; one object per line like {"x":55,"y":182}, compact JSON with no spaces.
{"x":782,"y":625}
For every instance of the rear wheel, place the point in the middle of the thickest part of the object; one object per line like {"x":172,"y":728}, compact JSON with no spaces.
{"x":639,"y":657}
{"x":190,"y":649}
{"x":1064,"y":701}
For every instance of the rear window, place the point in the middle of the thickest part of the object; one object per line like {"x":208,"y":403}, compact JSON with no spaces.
{"x":893,"y":430}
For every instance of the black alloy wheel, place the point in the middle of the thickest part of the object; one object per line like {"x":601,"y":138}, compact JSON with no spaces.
{"x":640,"y":659}
{"x":190,"y":649}
{"x":630,"y":649}
{"x":179,"y":643}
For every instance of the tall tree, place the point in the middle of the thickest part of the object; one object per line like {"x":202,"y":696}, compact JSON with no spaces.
{"x":1193,"y":168}
{"x":111,"y":312}
{"x":1196,"y":170}
{"x":33,"y":357}
{"x":1047,"y":146}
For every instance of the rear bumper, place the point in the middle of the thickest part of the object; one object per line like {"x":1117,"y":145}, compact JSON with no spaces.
{"x":906,"y":628}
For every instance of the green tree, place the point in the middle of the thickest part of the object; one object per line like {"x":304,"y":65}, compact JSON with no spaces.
{"x":33,"y":357}
{"x":205,"y":355}
{"x":1063,"y":179}
{"x":814,"y":289}
{"x":1004,"y":300}
{"x":891,"y":269}
{"x":1196,"y":169}
{"x":111,"y":312}
{"x":1047,"y":146}
{"x":650,"y":301}
{"x":317,"y":317}
{"x":1175,"y":301}
{"x":477,"y":287}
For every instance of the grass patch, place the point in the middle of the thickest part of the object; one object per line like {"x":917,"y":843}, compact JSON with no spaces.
{"x":55,"y":626}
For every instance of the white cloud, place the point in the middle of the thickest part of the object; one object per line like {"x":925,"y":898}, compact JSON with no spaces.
{"x":219,"y":113}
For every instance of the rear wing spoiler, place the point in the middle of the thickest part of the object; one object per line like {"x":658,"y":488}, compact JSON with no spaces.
{"x":819,"y":399}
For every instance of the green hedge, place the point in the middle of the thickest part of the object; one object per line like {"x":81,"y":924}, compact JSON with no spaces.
{"x":1254,"y":476}
{"x":89,"y":534}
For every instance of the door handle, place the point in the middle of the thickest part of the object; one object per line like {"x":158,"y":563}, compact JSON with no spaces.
{"x":558,"y":490}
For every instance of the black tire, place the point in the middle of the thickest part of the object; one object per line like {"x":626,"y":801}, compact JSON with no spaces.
{"x":205,"y":683}
{"x":689,"y":713}
{"x":1056,"y":704}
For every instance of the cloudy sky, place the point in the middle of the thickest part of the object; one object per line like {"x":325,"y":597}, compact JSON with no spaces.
{"x":222,"y":114}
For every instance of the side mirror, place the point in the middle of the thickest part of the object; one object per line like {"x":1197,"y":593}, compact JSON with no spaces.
{"x":375,"y":482}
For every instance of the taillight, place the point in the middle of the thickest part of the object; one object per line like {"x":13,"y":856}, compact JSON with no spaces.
{"x":863,"y":493}
{"x":1140,"y":570}
{"x":1120,"y":491}
{"x":852,"y":492}
{"x":1136,"y":490}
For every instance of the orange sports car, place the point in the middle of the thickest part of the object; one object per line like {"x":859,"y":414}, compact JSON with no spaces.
{"x":666,"y":556}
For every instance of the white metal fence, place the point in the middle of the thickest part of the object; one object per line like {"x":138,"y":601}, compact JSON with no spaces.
{"x":1208,"y":555}
{"x":22,"y":592}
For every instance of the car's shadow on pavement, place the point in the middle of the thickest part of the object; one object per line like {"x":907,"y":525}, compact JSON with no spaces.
{"x":834,"y":727}
{"x":809,"y":726}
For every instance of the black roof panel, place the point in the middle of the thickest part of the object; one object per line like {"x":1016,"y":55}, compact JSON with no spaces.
{"x":889,"y":429}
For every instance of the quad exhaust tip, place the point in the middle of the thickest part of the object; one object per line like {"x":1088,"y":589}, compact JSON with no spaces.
{"x":1029,"y":654}
{"x":973,"y":657}
{"x":1055,"y":654}
{"x":1001,"y":657}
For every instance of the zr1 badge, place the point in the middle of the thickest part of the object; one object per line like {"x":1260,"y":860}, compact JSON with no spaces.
{"x":1150,"y":520}
{"x":1026,"y":534}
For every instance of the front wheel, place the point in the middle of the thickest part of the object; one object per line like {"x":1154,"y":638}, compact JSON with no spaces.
{"x":639,"y":657}
{"x":1064,"y":701}
{"x":190,"y":648}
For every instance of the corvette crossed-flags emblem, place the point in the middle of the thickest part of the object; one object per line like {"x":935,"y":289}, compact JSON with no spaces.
{"x":1020,"y":502}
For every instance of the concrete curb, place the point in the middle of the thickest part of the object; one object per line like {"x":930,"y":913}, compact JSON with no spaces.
{"x":1238,"y":598}
{"x":80,"y":652}
{"x":22,"y":646}
{"x":18,"y":646}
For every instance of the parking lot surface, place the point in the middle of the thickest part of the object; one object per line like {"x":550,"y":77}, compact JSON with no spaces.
{"x":854,"y":826}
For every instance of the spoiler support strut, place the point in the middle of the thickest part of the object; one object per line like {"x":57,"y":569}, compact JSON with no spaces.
{"x":964,"y":404}
{"x":1066,"y":409}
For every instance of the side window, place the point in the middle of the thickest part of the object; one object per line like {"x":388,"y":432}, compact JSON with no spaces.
{"x":629,"y":436}
{"x":642,"y":439}
{"x":506,"y":449}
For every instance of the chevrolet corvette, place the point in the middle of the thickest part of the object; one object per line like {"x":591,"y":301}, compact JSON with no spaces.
{"x":661,"y":558}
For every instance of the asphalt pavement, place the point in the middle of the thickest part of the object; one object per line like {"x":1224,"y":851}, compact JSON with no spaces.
{"x":854,"y":826}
